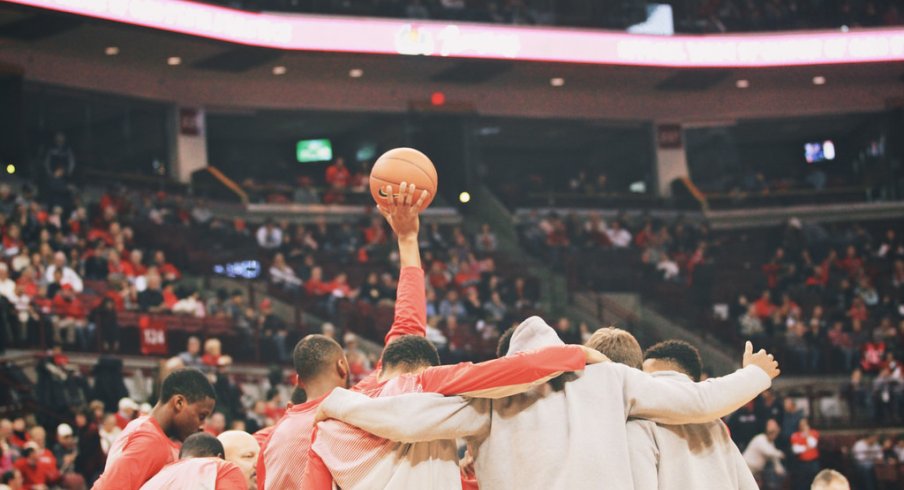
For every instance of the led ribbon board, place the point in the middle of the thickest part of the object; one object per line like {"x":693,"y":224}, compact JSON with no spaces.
{"x":465,"y":40}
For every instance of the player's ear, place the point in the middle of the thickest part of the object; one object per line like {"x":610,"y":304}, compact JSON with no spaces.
{"x":178,"y":402}
{"x":342,"y":367}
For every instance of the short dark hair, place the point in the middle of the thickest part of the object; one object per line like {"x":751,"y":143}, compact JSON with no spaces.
{"x":8,"y":476}
{"x":410,"y":351}
{"x":505,"y":340}
{"x":680,"y":353}
{"x":299,"y":396}
{"x":618,"y":345}
{"x":190,"y":383}
{"x":313,"y":354}
{"x":201,"y":445}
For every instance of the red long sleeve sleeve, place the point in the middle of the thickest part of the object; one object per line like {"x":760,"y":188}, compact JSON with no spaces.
{"x":515,"y":370}
{"x":411,"y":305}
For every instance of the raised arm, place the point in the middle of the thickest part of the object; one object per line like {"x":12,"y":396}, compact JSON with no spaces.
{"x":508,"y":375}
{"x":401,"y":212}
{"x":409,"y":418}
{"x":674,"y":402}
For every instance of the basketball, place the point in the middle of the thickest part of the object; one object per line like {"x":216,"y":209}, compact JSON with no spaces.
{"x":403,"y":165}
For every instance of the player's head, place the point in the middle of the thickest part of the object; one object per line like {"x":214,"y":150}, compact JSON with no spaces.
{"x":674,"y":355}
{"x":618,"y":345}
{"x":201,"y":445}
{"x":241,"y":448}
{"x":505,"y":341}
{"x":409,"y":353}
{"x":190,"y":398}
{"x":830,"y":480}
{"x":318,"y":358}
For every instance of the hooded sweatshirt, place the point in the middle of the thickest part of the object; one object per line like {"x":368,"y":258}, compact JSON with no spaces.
{"x":572,"y":437}
{"x":678,"y":457}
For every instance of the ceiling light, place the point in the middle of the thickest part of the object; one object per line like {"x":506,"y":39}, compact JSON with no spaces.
{"x":742,"y":83}
{"x":111,"y":50}
{"x":356,"y":73}
{"x":557,"y":81}
{"x":174,"y":61}
{"x":819,"y":80}
{"x":279,"y":70}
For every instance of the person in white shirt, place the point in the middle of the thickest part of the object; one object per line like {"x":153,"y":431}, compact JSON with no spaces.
{"x":69,"y":276}
{"x":830,"y":480}
{"x":764,"y":459}
{"x":867,"y":452}
{"x":7,"y":285}
{"x":620,"y":237}
{"x":697,"y":456}
{"x":269,"y":236}
{"x":582,"y":417}
{"x":108,"y":432}
{"x":283,"y":275}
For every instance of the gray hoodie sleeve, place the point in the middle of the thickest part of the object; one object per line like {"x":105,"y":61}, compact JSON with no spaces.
{"x":644,"y":454}
{"x":412,"y":417}
{"x":671,"y":402}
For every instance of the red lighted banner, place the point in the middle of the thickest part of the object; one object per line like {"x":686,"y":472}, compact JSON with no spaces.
{"x":466,"y":40}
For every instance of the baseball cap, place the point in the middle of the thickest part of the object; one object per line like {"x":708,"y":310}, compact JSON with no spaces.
{"x":127,"y":403}
{"x":64,"y":430}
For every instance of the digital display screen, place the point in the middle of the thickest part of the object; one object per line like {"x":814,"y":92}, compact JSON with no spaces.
{"x":243,"y":269}
{"x":817,"y":151}
{"x":320,"y":150}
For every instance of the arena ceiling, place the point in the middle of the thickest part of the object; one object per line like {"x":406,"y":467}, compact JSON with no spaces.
{"x":73,"y":51}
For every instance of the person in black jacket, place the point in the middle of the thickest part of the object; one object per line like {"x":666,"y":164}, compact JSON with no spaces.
{"x":104,"y":319}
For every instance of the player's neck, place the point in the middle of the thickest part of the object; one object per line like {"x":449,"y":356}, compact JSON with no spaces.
{"x":315,"y":389}
{"x":164,"y":418}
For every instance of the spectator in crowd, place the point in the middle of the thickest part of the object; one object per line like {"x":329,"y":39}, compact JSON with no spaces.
{"x":126,"y":413}
{"x":805,"y":446}
{"x":764,"y":459}
{"x":866,"y":453}
{"x":791,"y":417}
{"x":37,"y":474}
{"x":337,"y":174}
{"x":151,"y":300}
{"x":190,"y":304}
{"x":485,"y":241}
{"x":12,"y":479}
{"x":103,"y":319}
{"x":269,"y":236}
{"x":282,"y":275}
{"x":451,"y":305}
{"x":69,"y":276}
{"x":274,"y":330}
{"x":109,"y":431}
{"x":213,"y":351}
{"x":70,"y":315}
{"x":567,"y":332}
{"x":830,"y":480}
{"x":66,"y":451}
{"x":359,"y":364}
{"x":7,"y":285}
{"x":59,"y":157}
{"x":191,"y":357}
{"x":619,"y":237}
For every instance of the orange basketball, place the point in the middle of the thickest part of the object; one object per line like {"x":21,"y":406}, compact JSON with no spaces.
{"x":403,"y":165}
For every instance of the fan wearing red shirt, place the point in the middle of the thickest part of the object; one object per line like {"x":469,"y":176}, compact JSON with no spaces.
{"x":321,"y":364}
{"x":764,"y":307}
{"x":200,"y":465}
{"x":805,"y":445}
{"x":35,"y":471}
{"x":146,"y":445}
{"x":337,"y":174}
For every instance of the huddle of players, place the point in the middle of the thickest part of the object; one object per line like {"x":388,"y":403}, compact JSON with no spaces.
{"x":526,"y":424}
